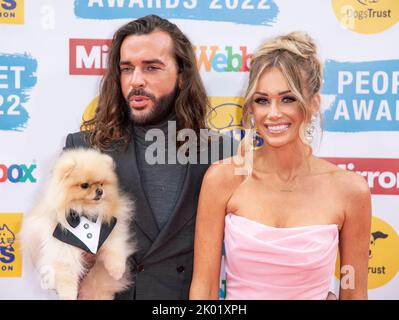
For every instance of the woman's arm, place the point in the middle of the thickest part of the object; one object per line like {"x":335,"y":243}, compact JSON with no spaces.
{"x":355,"y":239}
{"x":215,"y":192}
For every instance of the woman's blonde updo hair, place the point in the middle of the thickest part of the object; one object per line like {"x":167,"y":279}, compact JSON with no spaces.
{"x":295,"y":56}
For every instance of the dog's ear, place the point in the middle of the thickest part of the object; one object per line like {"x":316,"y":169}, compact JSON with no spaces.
{"x":110,"y":162}
{"x":64,"y":167}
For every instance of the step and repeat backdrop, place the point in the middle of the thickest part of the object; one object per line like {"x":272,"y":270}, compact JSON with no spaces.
{"x":53,"y":53}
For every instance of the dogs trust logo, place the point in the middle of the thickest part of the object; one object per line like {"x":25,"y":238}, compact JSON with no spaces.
{"x":383,"y":261}
{"x":383,"y":253}
{"x":366,"y":16}
{"x":10,"y":256}
{"x":252,"y":12}
{"x":11,"y":11}
{"x":225,"y":117}
{"x":17,"y":78}
{"x":361,"y":96}
{"x":382,"y":175}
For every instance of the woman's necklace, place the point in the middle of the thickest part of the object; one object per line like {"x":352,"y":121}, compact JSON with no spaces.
{"x":289,"y":187}
{"x":290,"y":184}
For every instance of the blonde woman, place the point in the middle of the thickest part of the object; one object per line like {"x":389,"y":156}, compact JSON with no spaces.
{"x":283,"y":223}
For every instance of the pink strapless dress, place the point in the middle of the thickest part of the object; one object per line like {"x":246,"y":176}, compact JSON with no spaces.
{"x":264,"y":262}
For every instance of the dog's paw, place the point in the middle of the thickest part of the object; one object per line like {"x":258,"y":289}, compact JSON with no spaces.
{"x":67,"y":289}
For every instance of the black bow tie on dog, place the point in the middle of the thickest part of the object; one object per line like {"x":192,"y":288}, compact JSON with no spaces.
{"x":74,"y":218}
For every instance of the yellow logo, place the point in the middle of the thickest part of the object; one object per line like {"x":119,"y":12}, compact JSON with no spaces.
{"x":383,"y":254}
{"x":12,"y":11}
{"x":90,"y":110}
{"x":10,"y":254}
{"x":366,"y":16}
{"x":225,"y":115}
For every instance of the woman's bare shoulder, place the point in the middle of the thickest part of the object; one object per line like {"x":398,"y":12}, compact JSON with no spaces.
{"x":351,"y":183}
{"x":225,"y":173}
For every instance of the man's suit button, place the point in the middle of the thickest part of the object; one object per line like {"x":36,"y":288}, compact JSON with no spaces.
{"x":180,"y":269}
{"x":140,"y":268}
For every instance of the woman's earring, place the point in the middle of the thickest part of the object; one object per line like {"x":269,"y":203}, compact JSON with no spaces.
{"x":253,"y":129}
{"x":310,"y":129}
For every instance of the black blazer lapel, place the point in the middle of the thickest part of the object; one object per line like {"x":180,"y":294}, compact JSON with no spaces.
{"x":186,"y":206}
{"x":183,"y":210}
{"x":129,"y":179}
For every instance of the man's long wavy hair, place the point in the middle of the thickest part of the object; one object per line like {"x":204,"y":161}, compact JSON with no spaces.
{"x":112,"y":123}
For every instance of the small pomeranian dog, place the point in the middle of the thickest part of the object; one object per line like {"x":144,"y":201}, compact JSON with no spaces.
{"x":81,"y":214}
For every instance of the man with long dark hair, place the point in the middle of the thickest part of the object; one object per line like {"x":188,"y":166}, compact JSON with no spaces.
{"x":160,"y":58}
{"x":152,"y":80}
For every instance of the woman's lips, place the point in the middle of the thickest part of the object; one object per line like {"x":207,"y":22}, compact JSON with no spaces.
{"x":277,"y":127}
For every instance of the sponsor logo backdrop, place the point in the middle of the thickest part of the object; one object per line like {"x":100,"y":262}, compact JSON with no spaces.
{"x":53,"y":53}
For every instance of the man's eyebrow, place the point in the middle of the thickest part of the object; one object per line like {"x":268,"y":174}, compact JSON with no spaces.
{"x":154,"y":61}
{"x":151,"y":61}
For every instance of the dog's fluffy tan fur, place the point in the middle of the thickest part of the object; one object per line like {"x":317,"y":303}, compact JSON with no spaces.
{"x":77,"y":176}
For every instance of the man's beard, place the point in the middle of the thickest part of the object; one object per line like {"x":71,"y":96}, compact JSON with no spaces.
{"x":160,"y":110}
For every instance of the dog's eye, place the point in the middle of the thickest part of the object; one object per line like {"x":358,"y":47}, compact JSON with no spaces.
{"x":84,"y":185}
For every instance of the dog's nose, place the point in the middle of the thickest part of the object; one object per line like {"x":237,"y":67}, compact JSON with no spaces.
{"x":99,"y":192}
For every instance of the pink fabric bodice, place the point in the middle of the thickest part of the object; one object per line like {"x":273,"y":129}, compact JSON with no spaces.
{"x":264,"y":262}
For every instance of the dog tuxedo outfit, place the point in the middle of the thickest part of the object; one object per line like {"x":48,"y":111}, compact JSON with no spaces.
{"x":84,"y":233}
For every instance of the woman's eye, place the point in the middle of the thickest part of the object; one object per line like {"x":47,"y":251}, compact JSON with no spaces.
{"x":84,"y":185}
{"x":288,"y":99}
{"x":261,"y":101}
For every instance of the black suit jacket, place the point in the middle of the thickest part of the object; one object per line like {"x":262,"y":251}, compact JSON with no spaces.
{"x":163,"y":264}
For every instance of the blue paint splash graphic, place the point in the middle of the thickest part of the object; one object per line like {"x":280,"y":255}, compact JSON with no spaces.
{"x":365,"y":96}
{"x":250,"y":12}
{"x":17,"y":78}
